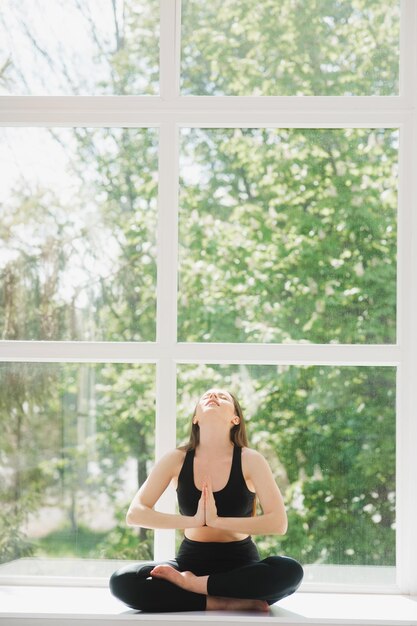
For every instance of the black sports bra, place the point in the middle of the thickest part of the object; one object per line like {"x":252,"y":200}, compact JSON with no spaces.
{"x":234,"y":500}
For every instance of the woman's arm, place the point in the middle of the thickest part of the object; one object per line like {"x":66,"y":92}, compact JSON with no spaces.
{"x":274,"y":518}
{"x":141,"y":512}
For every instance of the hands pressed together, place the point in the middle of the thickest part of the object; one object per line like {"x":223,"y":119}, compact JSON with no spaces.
{"x":206,"y":511}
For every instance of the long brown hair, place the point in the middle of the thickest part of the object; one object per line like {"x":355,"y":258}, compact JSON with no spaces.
{"x":238,"y":434}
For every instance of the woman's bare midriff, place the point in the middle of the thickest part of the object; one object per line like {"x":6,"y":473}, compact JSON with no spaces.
{"x":212,"y":534}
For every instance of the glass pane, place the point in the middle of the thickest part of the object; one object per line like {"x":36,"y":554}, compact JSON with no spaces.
{"x":67,"y":47}
{"x":288,"y":235}
{"x":78,"y":233}
{"x":290,"y":48}
{"x":77,"y":442}
{"x":328,"y":434}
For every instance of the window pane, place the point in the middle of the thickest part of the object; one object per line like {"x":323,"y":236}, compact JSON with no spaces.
{"x":288,"y":235}
{"x":93,"y":47}
{"x":328,"y":434}
{"x":290,"y":48}
{"x":77,"y":441}
{"x":77,"y":234}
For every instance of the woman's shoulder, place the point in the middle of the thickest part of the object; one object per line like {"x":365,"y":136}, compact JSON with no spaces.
{"x":180,"y":452}
{"x":252,"y":458}
{"x":173,"y":456}
{"x":250,"y":454}
{"x":250,"y":461}
{"x":173,"y":459}
{"x":182,"y":449}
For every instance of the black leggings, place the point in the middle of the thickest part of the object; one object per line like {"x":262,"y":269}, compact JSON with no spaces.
{"x":234,"y":568}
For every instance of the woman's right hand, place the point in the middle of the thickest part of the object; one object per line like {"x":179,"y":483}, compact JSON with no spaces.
{"x":200,"y":516}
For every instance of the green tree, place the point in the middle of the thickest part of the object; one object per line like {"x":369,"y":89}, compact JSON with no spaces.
{"x":290,"y":48}
{"x":291,"y":237}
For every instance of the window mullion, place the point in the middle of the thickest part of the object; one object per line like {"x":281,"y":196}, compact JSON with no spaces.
{"x":166,"y":326}
{"x":169,"y":50}
{"x":406,"y":469}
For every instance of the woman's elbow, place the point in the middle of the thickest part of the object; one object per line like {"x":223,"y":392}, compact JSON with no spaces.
{"x":283,"y":529}
{"x":138,"y":515}
{"x":132,"y":518}
{"x":129,"y":519}
{"x":282,"y":525}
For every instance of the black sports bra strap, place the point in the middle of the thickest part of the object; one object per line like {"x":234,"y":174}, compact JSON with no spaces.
{"x":235,"y":459}
{"x":187,"y":465}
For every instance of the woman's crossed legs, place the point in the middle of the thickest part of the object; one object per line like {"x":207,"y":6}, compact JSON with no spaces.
{"x":254,"y":586}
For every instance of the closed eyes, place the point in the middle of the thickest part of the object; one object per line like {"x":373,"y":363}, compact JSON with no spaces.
{"x":221,"y":395}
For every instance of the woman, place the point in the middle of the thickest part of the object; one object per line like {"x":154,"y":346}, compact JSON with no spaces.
{"x":218,"y":565}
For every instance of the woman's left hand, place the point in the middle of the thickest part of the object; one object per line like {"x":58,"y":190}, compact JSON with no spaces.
{"x":211,"y":509}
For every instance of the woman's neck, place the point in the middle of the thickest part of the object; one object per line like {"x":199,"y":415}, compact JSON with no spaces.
{"x":211,"y":447}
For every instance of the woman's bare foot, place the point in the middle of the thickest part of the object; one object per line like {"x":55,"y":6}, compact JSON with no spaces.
{"x":218,"y":603}
{"x":198,"y":584}
{"x":186,"y":580}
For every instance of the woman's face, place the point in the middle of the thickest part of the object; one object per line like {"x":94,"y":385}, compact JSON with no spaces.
{"x":218,"y":401}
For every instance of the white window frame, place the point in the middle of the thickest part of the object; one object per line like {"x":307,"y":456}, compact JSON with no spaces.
{"x":170,"y":112}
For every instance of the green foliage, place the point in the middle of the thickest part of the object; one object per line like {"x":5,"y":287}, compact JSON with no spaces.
{"x":292,"y":236}
{"x":74,"y":427}
{"x":13,"y":541}
{"x":66,"y":542}
{"x":290,"y":48}
{"x":123,"y":542}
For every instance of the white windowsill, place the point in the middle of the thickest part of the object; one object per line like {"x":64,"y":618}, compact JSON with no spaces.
{"x":52,"y":606}
{"x":58,"y":591}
